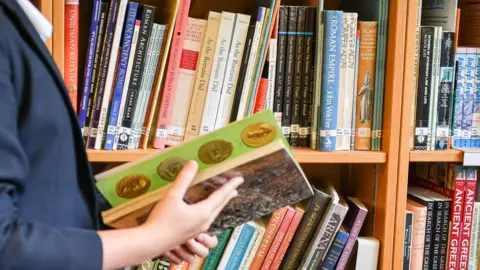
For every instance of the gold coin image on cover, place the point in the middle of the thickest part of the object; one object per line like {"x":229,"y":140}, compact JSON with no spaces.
{"x":214,"y":152}
{"x":258,"y":134}
{"x":132,"y":186}
{"x":170,"y":168}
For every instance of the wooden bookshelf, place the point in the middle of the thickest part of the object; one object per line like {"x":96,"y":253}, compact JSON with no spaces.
{"x":302,"y":156}
{"x":436,"y":156}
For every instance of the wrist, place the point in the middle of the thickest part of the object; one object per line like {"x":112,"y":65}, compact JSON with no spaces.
{"x":156,"y":238}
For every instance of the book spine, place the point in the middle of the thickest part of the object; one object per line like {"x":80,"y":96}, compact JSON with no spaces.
{"x":424,"y":86}
{"x":72,"y":21}
{"x":131,"y":102}
{"x":215,"y":253}
{"x":330,"y":83}
{"x":281,"y":62}
{"x":435,"y":89}
{"x":335,"y":251}
{"x":418,"y":237}
{"x":407,"y":243}
{"x":102,"y":75}
{"x":307,"y":89}
{"x":241,"y":246}
{"x":252,"y":248}
{"x":95,"y":71}
{"x":341,"y":106}
{"x":128,"y":74}
{"x":297,"y":218}
{"x":350,"y":85}
{"x":298,"y":76}
{"x":461,"y":55}
{"x":192,"y":45}
{"x":355,"y":83}
{"x":267,"y":240}
{"x":289,"y":71}
{"x":170,"y":86}
{"x":121,"y":75}
{"x":352,"y":238}
{"x":88,"y":71}
{"x":317,"y":91}
{"x":444,"y":236}
{"x":468,"y":98}
{"x":469,"y":200}
{"x":445,"y":91}
{"x":218,"y":73}
{"x":272,"y":66}
{"x":475,"y":142}
{"x":458,"y":174}
{"x":473,"y":256}
{"x":416,"y":61}
{"x":111,"y":70}
{"x":162,"y":265}
{"x":228,"y":251}
{"x":437,"y":235}
{"x":262,"y":93}
{"x":232,"y":70}
{"x":203,"y":76}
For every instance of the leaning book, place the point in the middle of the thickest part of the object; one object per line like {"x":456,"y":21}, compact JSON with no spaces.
{"x":253,"y":148}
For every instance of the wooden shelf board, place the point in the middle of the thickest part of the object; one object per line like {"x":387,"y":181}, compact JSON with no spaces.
{"x":436,"y":156}
{"x":302,"y":155}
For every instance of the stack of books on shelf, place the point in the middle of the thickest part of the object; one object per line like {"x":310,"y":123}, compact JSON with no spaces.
{"x":319,"y":233}
{"x":442,"y":226}
{"x":147,"y":84}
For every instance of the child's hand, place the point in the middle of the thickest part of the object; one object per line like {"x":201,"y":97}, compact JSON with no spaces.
{"x":199,"y":246}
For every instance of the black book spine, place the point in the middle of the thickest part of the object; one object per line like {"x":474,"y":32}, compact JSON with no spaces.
{"x":281,"y":59}
{"x":445,"y":232}
{"x":437,"y":235}
{"x":298,"y":78}
{"x":407,"y":244}
{"x":429,"y":230}
{"x":96,"y":67}
{"x":424,"y":86}
{"x":241,"y":74}
{"x":445,"y":92}
{"x":289,"y":71}
{"x":147,"y":16}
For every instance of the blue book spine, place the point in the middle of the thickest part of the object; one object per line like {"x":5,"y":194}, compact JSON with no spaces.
{"x":468,"y":98}
{"x":459,"y":93}
{"x":87,"y":80}
{"x":330,"y":80}
{"x":112,"y":21}
{"x":475,"y":143}
{"x":335,"y":251}
{"x":121,"y":74}
{"x":240,"y":247}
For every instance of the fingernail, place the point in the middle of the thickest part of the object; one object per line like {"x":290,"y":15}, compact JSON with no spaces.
{"x":238,"y":180}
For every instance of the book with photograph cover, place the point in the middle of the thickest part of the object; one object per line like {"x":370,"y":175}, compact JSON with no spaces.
{"x":253,"y":148}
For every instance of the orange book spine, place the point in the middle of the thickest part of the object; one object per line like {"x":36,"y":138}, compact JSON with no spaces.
{"x":182,"y":266}
{"x":297,"y":218}
{"x":282,"y":231}
{"x":270,"y":232}
{"x":172,"y":75}
{"x":418,"y":233}
{"x":261,"y":96}
{"x":197,"y":264}
{"x":72,"y":11}
{"x":365,"y":85}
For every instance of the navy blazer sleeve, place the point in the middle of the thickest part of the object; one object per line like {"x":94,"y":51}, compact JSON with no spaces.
{"x":23,"y":244}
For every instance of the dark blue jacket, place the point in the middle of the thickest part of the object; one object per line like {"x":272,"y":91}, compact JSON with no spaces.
{"x":48,"y":210}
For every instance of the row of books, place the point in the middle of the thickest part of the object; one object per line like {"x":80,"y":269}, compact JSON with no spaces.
{"x":321,"y":233}
{"x":148,"y":84}
{"x":442,"y":218}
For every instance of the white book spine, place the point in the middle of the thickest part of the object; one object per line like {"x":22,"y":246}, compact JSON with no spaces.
{"x":436,"y":85}
{"x":186,"y":79}
{"x":468,"y":97}
{"x":233,"y":69}
{"x":252,"y":247}
{"x":432,"y":89}
{"x":341,"y":106}
{"x":230,"y":247}
{"x":272,"y":66}
{"x":251,"y":64}
{"x":133,"y":49}
{"x":202,"y":78}
{"x":218,"y":72}
{"x":112,"y":65}
{"x":474,"y":242}
{"x":476,"y":108}
{"x":350,"y":80}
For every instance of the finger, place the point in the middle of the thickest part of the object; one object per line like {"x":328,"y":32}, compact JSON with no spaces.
{"x":220,"y":207}
{"x":184,"y":254}
{"x":183,"y":180}
{"x":218,"y":197}
{"x":196,"y":248}
{"x":207,"y":240}
{"x":172,"y":257}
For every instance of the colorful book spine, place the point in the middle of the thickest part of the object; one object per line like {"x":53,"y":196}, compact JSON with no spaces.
{"x":335,"y":250}
{"x":407,"y":242}
{"x":468,"y":98}
{"x":121,"y":74}
{"x":474,"y":243}
{"x":418,"y":237}
{"x":88,"y":72}
{"x":355,"y":83}
{"x":72,"y":21}
{"x":262,"y":92}
{"x":227,"y":253}
{"x":461,"y":55}
{"x":253,"y":246}
{"x":469,"y":201}
{"x":169,"y":89}
{"x":241,"y":246}
{"x":330,"y":81}
{"x":192,"y":45}
{"x":215,"y":254}
{"x":457,"y":176}
{"x":342,"y":83}
{"x":475,"y":142}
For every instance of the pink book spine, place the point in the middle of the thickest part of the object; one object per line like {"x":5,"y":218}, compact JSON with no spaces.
{"x":352,"y":238}
{"x":470,"y":188}
{"x":168,"y":95}
{"x":457,"y":176}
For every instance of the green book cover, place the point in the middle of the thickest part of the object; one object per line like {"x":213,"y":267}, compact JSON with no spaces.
{"x":216,"y":253}
{"x":253,"y":148}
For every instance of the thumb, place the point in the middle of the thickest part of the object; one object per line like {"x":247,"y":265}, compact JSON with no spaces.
{"x":183,"y":180}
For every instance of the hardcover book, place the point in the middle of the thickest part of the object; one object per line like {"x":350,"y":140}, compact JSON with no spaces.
{"x":253,"y":148}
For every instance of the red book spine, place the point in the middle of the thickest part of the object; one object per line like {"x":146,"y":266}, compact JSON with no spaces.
{"x":261,"y":96}
{"x":457,"y":177}
{"x":434,"y":187}
{"x":468,"y":205}
{"x":182,"y":266}
{"x":288,"y":239}
{"x":72,"y":12}
{"x":282,"y":231}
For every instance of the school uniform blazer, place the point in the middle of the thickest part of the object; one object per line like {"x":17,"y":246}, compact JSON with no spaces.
{"x":48,"y":206}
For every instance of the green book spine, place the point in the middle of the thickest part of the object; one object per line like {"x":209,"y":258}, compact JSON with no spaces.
{"x":216,"y":253}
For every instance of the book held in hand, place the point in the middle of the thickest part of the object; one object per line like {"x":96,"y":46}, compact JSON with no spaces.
{"x":253,"y":148}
